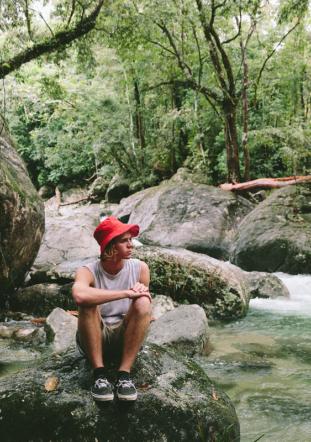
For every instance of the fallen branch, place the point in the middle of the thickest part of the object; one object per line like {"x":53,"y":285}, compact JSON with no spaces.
{"x":88,"y":198}
{"x":266,"y":183}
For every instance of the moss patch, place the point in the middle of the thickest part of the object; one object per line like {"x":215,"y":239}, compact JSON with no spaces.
{"x":187,"y":283}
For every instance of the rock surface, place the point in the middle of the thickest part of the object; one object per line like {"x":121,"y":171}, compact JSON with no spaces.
{"x":119,"y":187}
{"x":98,"y":189}
{"x":23,"y":331}
{"x":41,"y":299}
{"x":61,"y":329}
{"x":220,"y":288}
{"x":69,"y":235}
{"x":265,"y":285}
{"x":162,"y":304}
{"x":184,"y":214}
{"x":276,"y":235}
{"x":22,"y":217}
{"x":185,"y":328}
{"x":176,"y":402}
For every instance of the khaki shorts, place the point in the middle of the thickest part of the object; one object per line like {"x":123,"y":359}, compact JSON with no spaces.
{"x":112,"y":339}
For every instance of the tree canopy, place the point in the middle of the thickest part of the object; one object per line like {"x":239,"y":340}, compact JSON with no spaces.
{"x":141,"y":88}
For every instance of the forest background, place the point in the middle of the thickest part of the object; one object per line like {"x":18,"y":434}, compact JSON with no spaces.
{"x":141,"y":88}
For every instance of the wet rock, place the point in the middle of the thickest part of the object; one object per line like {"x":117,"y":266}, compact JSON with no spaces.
{"x":40,"y":299}
{"x":6,"y":331}
{"x":184,"y":328}
{"x":23,"y":331}
{"x":276,"y":235}
{"x":22,"y":217}
{"x":35,"y":335}
{"x":162,"y":304}
{"x":185,"y":214}
{"x":265,"y":285}
{"x":61,"y":329}
{"x":176,"y":402}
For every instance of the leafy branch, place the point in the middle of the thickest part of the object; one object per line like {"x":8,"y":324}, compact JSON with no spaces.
{"x":60,"y":39}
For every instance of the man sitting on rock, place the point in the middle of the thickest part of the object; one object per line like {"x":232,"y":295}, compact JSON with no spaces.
{"x":114,"y":307}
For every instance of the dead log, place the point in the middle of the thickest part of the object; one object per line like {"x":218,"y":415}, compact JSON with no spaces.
{"x":266,"y":183}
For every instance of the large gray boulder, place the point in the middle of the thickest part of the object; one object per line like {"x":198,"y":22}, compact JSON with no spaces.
{"x":219,"y":287}
{"x":185,"y":328}
{"x":68,"y":236}
{"x":21,"y":220}
{"x":180,"y":213}
{"x":176,"y":402}
{"x":276,"y":235}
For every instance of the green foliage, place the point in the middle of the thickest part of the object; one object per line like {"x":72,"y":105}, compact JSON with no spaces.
{"x":281,"y":151}
{"x":129,"y":108}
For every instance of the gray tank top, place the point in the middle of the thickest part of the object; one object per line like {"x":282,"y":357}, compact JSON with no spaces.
{"x":114,"y":311}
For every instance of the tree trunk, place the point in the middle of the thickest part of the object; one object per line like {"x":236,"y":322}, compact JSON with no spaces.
{"x":139,"y":123}
{"x":181,"y":132}
{"x":245,"y":115}
{"x":231,"y":140}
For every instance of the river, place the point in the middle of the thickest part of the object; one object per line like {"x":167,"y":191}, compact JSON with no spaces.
{"x":263,"y":364}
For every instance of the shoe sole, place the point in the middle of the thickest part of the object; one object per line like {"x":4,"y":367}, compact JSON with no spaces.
{"x":98,"y":397}
{"x":124,"y":397}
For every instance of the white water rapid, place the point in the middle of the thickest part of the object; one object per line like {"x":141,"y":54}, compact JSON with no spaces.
{"x":299,"y":302}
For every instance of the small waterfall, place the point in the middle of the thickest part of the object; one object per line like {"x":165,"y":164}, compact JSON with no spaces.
{"x":299,"y":302}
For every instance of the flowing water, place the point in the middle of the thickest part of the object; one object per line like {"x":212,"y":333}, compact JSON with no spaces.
{"x":263,"y":362}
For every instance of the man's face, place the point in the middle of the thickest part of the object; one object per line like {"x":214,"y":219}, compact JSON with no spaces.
{"x":124,"y":246}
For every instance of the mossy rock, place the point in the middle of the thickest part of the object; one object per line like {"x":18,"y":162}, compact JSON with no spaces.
{"x":41,"y":299}
{"x":22,"y":217}
{"x":194,"y":278}
{"x":176,"y":402}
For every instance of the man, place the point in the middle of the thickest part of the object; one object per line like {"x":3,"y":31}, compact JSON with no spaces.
{"x":114,"y":307}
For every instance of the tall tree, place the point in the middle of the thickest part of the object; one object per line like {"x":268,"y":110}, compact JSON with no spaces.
{"x":207,"y":41}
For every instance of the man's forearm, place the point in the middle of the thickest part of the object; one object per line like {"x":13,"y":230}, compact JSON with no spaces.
{"x":90,"y":296}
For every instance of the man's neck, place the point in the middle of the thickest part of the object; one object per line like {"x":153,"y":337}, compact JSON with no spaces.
{"x":112,"y":266}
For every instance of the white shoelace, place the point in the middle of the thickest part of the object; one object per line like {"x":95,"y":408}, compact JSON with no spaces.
{"x":100,"y":383}
{"x":125,"y":383}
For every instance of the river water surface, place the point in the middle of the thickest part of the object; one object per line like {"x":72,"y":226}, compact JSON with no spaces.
{"x":263,"y":362}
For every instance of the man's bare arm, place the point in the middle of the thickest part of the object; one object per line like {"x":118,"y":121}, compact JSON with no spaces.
{"x":86,"y":295}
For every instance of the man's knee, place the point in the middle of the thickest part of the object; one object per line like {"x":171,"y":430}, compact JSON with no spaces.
{"x":142,"y":306}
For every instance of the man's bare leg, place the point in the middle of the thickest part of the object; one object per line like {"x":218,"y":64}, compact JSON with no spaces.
{"x":136,"y":322}
{"x":90,"y":334}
